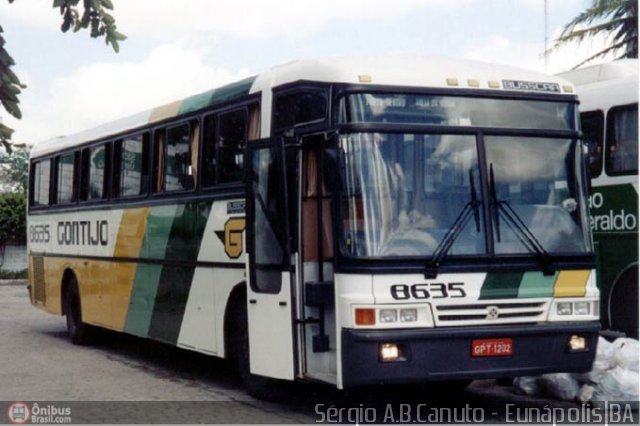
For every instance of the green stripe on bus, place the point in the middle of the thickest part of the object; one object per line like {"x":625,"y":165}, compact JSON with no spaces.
{"x":217,"y":96}
{"x":536,"y":284}
{"x":501,"y":285}
{"x":175,"y":280}
{"x":145,"y":285}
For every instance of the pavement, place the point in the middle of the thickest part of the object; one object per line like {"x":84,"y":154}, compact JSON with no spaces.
{"x":124,"y":379}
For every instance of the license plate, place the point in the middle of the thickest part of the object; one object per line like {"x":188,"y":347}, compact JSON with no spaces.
{"x":491,"y":347}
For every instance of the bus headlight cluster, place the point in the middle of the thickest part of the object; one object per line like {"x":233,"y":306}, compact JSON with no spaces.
{"x":392,"y":315}
{"x":573,"y":308}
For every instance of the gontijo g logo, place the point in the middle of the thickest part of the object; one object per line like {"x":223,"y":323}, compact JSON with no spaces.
{"x":18,"y":413}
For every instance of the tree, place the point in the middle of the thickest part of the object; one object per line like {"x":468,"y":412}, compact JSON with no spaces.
{"x":14,"y":171}
{"x":76,"y":15}
{"x":13,"y":211}
{"x":613,"y":18}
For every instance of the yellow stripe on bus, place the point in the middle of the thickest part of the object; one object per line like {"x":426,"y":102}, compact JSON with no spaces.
{"x":165,"y":111}
{"x":128,"y":245}
{"x":571,"y":284}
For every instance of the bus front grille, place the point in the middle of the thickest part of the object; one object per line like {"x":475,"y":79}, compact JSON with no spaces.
{"x":39,"y":293}
{"x":491,"y":313}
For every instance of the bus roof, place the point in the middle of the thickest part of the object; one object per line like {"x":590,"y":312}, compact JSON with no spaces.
{"x":605,"y":85}
{"x":392,"y":69}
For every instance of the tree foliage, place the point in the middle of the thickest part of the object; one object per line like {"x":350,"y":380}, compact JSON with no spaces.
{"x":613,"y":18}
{"x":14,"y":171}
{"x":76,"y":15}
{"x":13,"y":211}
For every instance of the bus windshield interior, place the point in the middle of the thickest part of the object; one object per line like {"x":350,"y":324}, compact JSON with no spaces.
{"x":402,"y":192}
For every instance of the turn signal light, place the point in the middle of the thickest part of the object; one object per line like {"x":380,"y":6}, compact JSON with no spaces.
{"x":365,"y":316}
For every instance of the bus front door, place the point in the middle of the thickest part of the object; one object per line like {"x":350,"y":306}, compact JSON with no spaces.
{"x":269,"y":298}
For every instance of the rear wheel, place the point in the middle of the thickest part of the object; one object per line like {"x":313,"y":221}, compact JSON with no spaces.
{"x":79,"y":332}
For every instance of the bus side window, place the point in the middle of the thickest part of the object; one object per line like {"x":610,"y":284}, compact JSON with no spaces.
{"x":209,"y":151}
{"x":95,"y":164}
{"x":622,"y":140}
{"x":178,"y":173}
{"x":300,"y":107}
{"x":66,"y":178}
{"x":593,"y":130}
{"x":231,"y":140}
{"x":40,"y":177}
{"x":131,"y":172}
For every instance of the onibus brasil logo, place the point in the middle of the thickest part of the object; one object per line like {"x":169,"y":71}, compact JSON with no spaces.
{"x":19,"y":413}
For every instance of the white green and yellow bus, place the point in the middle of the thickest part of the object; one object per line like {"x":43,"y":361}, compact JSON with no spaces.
{"x":609,"y":111}
{"x":353,"y":221}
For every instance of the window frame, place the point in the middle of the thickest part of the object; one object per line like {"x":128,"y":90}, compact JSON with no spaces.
{"x":108,"y":173}
{"x":165,"y":130}
{"x":116,"y":184}
{"x":217,"y":186}
{"x":608,"y":139}
{"x":286,"y":91}
{"x":600,"y":142}
{"x":34,"y":163}
{"x":53,"y":197}
{"x":245,"y":110}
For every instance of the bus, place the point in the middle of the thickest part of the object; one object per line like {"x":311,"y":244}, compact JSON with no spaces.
{"x":352,"y":221}
{"x":609,"y":113}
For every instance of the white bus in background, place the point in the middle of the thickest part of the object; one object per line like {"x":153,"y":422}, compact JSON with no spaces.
{"x":608,"y":96}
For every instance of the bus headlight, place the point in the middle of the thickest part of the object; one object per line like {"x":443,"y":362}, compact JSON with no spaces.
{"x":408,"y":315}
{"x":582,"y":308}
{"x":564,"y":308}
{"x":388,"y":315}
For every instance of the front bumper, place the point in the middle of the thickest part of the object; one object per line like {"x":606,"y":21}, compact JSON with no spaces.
{"x":445,"y":353}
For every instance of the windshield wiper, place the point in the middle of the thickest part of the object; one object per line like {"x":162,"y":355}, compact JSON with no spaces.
{"x":469,"y":209}
{"x":517,"y":225}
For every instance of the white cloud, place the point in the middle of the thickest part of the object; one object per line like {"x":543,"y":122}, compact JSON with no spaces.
{"x":501,"y":50}
{"x":170,"y":19}
{"x":101,"y":92}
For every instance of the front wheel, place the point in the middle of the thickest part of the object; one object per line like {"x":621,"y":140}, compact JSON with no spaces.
{"x":78,"y":331}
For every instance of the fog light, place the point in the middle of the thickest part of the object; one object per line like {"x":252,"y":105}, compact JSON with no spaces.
{"x":389,"y":352}
{"x":582,"y":308}
{"x":577,"y":343}
{"x":564,"y":308}
{"x":408,"y":315}
{"x":388,"y":315}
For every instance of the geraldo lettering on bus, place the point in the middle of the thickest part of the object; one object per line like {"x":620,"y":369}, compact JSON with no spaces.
{"x":83,"y":232}
{"x":609,"y":220}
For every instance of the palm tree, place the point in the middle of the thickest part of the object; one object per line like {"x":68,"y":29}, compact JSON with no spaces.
{"x":613,"y":18}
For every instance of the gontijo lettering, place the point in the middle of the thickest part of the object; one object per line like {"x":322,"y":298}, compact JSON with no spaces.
{"x":83,"y":232}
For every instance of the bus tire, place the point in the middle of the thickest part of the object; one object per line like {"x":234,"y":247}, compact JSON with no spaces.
{"x":79,"y":332}
{"x":622,"y":304}
{"x":259,"y":387}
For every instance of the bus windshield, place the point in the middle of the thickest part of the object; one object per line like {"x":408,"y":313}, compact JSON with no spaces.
{"x":402,"y":193}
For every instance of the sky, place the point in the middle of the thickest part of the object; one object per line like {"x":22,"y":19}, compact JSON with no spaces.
{"x":176,"y":48}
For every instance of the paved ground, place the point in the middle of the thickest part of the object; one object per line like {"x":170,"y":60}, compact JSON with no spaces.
{"x":38,"y":363}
